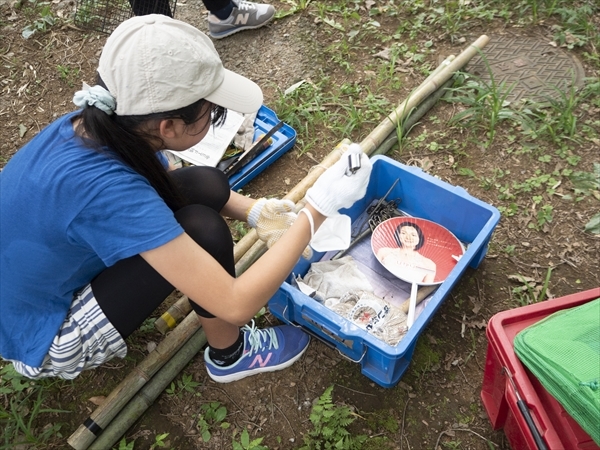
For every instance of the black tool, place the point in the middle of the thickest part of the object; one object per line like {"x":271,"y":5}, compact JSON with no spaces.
{"x":537,"y":437}
{"x":371,"y":224}
{"x":233,"y":165}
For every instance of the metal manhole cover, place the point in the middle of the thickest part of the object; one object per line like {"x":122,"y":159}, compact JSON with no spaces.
{"x":535,"y":70}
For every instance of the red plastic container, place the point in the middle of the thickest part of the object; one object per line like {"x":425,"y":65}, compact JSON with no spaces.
{"x":557,"y":428}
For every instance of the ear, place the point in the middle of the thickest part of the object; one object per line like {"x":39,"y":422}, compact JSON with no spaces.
{"x":168,"y":129}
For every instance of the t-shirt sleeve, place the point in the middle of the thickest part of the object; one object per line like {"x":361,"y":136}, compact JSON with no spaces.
{"x":125,"y":218}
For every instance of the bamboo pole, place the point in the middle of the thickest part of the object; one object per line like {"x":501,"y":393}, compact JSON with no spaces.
{"x":172,"y":316}
{"x":149,"y":393}
{"x":422,"y":294}
{"x":430,"y":85}
{"x":118,"y":398}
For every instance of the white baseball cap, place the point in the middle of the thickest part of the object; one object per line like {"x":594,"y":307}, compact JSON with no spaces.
{"x":154,"y":64}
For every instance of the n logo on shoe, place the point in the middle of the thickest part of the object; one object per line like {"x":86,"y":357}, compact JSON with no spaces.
{"x":242,"y":19}
{"x":258,"y":360}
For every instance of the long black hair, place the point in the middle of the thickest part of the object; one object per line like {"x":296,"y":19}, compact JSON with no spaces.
{"x":416,"y":227}
{"x":127,"y":139}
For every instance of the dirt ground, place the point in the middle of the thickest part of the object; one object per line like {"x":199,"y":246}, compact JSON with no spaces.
{"x":437,"y":401}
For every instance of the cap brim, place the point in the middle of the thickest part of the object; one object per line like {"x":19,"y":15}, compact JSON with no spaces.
{"x":237,"y":93}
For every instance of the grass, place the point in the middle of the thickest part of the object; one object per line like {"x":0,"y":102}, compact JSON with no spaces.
{"x":530,"y":290}
{"x":23,"y":411}
{"x":486,"y":104}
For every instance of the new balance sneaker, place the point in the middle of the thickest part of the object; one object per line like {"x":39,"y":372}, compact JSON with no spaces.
{"x":245,"y":16}
{"x":265,"y":350}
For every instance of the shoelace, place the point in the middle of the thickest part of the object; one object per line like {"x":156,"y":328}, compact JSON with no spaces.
{"x":258,"y":339}
{"x":242,"y":5}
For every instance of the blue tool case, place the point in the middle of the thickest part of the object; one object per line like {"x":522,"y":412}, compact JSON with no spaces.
{"x":283,"y":140}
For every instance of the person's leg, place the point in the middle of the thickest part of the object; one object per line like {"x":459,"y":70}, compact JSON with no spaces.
{"x":131,"y":290}
{"x":220,"y":8}
{"x":232,"y":16}
{"x":143,"y":7}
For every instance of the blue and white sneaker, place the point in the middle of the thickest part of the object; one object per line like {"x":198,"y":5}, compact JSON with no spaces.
{"x":265,"y":350}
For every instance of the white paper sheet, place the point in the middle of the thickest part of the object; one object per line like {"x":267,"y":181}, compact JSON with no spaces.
{"x":210,"y":150}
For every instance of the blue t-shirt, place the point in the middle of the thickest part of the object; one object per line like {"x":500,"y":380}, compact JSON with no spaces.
{"x":67,"y":212}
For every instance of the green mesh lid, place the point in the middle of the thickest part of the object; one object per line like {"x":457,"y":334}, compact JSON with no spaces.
{"x":563,"y":352}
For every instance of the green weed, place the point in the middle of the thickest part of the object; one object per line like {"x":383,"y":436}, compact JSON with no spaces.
{"x":21,"y":407}
{"x":486,"y":104}
{"x":159,"y":441}
{"x":43,"y":21}
{"x":239,"y":229}
{"x":530,"y":290}
{"x":211,"y":415}
{"x":186,"y":384}
{"x":68,"y":74}
{"x":330,"y":426}
{"x":295,"y":7}
{"x":124,"y":445}
{"x":246,"y":444}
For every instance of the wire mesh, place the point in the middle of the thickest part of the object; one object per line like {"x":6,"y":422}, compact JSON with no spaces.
{"x":106,"y":15}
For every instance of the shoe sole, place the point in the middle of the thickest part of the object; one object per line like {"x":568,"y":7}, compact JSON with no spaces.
{"x":228,"y":33}
{"x":248,"y":373}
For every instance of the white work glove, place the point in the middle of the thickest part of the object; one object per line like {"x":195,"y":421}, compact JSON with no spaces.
{"x":271,"y":218}
{"x":335,"y":190}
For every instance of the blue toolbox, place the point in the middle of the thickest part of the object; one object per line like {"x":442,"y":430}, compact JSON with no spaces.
{"x":469,"y":219}
{"x":283,"y":140}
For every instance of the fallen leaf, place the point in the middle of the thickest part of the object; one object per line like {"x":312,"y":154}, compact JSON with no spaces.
{"x":426,"y":164}
{"x":476,"y":304}
{"x":383,"y":54}
{"x":22,"y":130}
{"x":293,"y":87}
{"x":98,"y":400}
{"x":521,"y":278}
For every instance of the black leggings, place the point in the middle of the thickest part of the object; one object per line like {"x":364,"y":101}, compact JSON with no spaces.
{"x":143,"y":7}
{"x":129,"y":291}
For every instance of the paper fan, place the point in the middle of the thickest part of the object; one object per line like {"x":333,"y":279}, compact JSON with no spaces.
{"x":416,"y":250}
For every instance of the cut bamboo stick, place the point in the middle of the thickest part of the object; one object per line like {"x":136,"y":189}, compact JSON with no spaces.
{"x":422,"y":294}
{"x":430,"y":85}
{"x":118,"y":398}
{"x":149,"y":393}
{"x":172,"y":316}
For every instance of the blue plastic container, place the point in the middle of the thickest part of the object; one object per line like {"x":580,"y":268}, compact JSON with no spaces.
{"x":472,"y":222}
{"x":283,"y":140}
